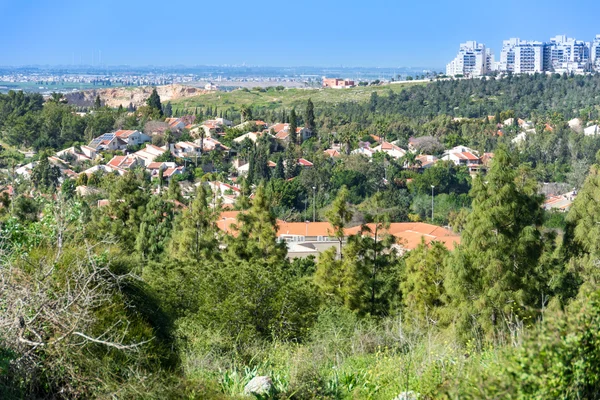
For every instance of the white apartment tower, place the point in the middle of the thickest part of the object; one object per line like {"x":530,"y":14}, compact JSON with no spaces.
{"x":595,"y":53}
{"x":568,"y":55}
{"x":522,"y":56}
{"x":471,"y":61}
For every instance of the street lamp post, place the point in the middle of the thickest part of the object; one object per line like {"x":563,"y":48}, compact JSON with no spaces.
{"x":314,"y":203}
{"x":432,"y":203}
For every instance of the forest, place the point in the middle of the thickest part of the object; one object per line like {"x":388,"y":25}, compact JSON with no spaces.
{"x":146,"y":297}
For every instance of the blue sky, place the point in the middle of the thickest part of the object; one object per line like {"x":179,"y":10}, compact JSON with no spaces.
{"x":276,"y":33}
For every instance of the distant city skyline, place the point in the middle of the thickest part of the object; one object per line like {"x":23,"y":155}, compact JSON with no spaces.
{"x":269,"y":33}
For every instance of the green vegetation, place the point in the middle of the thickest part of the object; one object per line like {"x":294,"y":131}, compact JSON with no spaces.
{"x":144,"y":296}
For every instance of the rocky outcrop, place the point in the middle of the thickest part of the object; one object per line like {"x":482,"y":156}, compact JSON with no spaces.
{"x":114,"y":97}
{"x":259,"y":385}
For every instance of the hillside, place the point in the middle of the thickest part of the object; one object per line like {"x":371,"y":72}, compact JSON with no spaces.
{"x":274,"y":99}
{"x":114,"y":97}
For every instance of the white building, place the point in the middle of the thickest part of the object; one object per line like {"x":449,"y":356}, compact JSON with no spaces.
{"x":595,"y":53}
{"x":472,"y":60}
{"x":521,"y":56}
{"x":564,"y":54}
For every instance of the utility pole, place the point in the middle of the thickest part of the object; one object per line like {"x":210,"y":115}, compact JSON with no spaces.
{"x":314,"y":203}
{"x":432,"y":203}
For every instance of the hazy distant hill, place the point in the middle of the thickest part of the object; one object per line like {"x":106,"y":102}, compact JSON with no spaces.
{"x":114,"y":97}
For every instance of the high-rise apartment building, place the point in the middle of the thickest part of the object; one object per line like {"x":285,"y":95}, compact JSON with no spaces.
{"x":521,"y":56}
{"x":595,"y":53}
{"x":568,"y":55}
{"x":561,"y":54}
{"x":471,"y":61}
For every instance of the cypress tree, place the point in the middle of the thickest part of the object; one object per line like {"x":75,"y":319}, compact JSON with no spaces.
{"x":293,"y":126}
{"x":310,"y":115}
{"x":154,"y":102}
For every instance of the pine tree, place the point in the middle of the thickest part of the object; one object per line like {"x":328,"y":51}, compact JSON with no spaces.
{"x":422,"y":284}
{"x":492,"y":276}
{"x":256,"y":234}
{"x":97,"y":102}
{"x":339,"y":215}
{"x":196,"y":237}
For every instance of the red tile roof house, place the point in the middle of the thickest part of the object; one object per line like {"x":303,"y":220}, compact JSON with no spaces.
{"x":132,"y":138}
{"x":108,"y":141}
{"x":171,"y":172}
{"x":462,"y":155}
{"x":149,"y":153}
{"x":282,"y":132}
{"x":312,"y":238}
{"x":124,"y":162}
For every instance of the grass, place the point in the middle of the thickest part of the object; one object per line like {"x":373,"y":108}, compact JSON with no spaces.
{"x":285,"y":99}
{"x":344,"y":359}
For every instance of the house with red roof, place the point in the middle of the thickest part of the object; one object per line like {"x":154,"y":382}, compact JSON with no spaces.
{"x":132,"y":138}
{"x":463,"y":156}
{"x":390,"y":149}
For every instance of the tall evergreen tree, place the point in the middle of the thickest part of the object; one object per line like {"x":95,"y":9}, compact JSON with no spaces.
{"x":339,"y":215}
{"x":492,"y":276}
{"x":293,"y":127}
{"x":279,"y":171}
{"x":309,"y":118}
{"x":154,"y":102}
{"x":168,"y":111}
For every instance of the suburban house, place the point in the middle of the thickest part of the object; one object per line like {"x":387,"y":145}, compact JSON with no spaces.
{"x":332,"y":153}
{"x":211,"y":144}
{"x":427,"y":161}
{"x":170,"y":172}
{"x":175,"y":124}
{"x":253,"y":136}
{"x":186,"y":149}
{"x":312,"y":238}
{"x":82,"y":153}
{"x":282,"y":132}
{"x":124,"y":163}
{"x":462,"y":155}
{"x":108,"y":141}
{"x":364,"y":150}
{"x":262,"y":125}
{"x":390,"y":149}
{"x":337,"y":83}
{"x":410,"y":234}
{"x":224,"y":191}
{"x":155,"y":167}
{"x":132,"y":138}
{"x":150,"y":153}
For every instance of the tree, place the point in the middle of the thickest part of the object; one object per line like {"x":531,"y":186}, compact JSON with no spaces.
{"x":97,"y":103}
{"x":339,"y":215}
{"x":195,"y":235}
{"x":256,"y":233}
{"x":154,"y":102}
{"x":45,"y":175}
{"x":293,"y":127}
{"x":422,"y":283}
{"x":279,"y":170}
{"x":493,"y":276}
{"x":245,"y":113}
{"x":168,"y":111}
{"x":309,"y":118}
